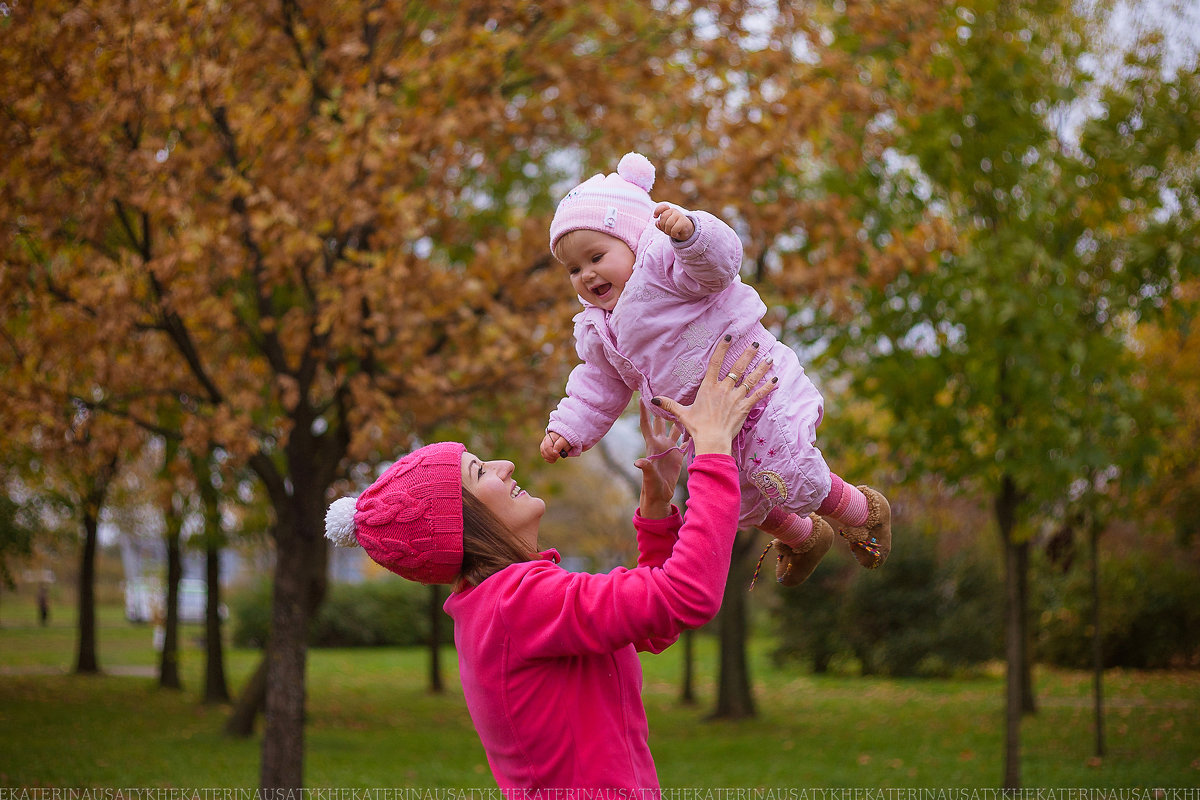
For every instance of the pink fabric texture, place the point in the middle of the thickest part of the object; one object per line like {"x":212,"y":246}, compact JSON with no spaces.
{"x":845,"y":503}
{"x":618,"y":204}
{"x":548,"y":658}
{"x":791,"y":529}
{"x":680,"y":300}
{"x":832,"y":504}
{"x":857,"y":509}
{"x":410,"y":519}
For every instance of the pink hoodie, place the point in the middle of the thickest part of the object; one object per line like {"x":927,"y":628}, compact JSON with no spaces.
{"x":548,"y":658}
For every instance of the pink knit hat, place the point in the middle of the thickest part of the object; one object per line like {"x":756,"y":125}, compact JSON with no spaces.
{"x":410,"y":519}
{"x":618,"y":204}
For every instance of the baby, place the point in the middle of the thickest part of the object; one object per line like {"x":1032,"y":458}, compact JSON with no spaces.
{"x":656,"y":298}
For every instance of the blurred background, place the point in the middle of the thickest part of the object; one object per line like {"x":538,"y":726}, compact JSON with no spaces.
{"x":252,"y":253}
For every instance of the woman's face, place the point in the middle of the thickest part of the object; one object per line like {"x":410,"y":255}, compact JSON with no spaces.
{"x":492,"y":484}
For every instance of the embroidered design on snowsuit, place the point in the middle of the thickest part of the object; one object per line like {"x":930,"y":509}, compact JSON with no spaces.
{"x":688,"y":370}
{"x":771,"y":485}
{"x":697,"y":335}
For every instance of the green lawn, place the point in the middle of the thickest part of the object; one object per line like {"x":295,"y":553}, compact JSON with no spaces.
{"x":373,"y":724}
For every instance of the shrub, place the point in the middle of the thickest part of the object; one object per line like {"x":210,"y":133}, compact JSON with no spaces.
{"x":1149,"y":615}
{"x":252,"y":616}
{"x":370,"y":614}
{"x":808,"y":616}
{"x":916,"y":616}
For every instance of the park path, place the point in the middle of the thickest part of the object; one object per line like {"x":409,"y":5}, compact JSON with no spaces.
{"x":131,"y":671}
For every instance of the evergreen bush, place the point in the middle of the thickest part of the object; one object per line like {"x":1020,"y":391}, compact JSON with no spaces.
{"x":370,"y":614}
{"x":1149,"y":614}
{"x":918,"y":615}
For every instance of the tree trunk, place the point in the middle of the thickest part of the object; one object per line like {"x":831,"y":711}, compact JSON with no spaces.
{"x":1097,"y":642}
{"x":287,"y":650}
{"x":216,"y":688}
{"x":298,"y":591}
{"x":250,"y":702}
{"x":301,"y":567}
{"x":85,"y":656}
{"x":301,"y":556}
{"x":1014,"y":636}
{"x":168,"y":668}
{"x":687,"y":694}
{"x":735,"y":700}
{"x":1028,"y":696}
{"x":435,"y":639}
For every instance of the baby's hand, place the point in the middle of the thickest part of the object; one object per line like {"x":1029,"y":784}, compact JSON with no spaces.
{"x":673,"y":222}
{"x":554,"y":447}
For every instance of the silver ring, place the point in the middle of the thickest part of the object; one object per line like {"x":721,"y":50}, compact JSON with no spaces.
{"x":734,"y":376}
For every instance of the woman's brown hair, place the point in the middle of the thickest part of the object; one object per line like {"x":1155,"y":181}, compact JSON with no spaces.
{"x":488,"y":544}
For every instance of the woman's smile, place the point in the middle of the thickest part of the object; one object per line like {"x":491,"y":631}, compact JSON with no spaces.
{"x":492,"y":484}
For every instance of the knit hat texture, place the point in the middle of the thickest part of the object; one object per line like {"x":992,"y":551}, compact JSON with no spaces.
{"x":618,"y":204}
{"x":410,"y":520}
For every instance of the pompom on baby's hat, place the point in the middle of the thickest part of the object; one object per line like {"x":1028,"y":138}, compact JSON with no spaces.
{"x":618,"y":204}
{"x":410,"y":519}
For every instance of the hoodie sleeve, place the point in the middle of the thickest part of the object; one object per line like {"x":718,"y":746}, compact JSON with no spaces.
{"x":595,"y":397}
{"x":557,"y":613}
{"x":656,"y":539}
{"x":709,"y":261}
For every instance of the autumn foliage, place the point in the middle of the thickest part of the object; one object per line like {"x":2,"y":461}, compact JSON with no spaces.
{"x":311,"y":234}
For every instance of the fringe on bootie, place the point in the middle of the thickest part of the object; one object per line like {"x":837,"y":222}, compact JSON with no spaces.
{"x":795,"y":564}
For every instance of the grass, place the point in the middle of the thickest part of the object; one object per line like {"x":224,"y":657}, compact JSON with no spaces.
{"x":373,"y":724}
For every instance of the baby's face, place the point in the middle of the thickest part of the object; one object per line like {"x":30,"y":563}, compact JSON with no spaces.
{"x":599,"y":265}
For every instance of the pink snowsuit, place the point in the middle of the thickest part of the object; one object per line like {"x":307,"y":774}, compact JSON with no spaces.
{"x":680,"y":300}
{"x":548,"y":658}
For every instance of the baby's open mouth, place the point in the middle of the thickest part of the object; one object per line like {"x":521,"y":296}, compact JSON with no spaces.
{"x":602,"y":290}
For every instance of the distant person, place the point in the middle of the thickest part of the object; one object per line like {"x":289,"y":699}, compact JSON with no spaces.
{"x":659,"y":284}
{"x":548,"y":658}
{"x":43,"y":605}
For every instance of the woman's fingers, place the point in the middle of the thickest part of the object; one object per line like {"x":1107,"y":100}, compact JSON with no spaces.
{"x":713,"y":373}
{"x":721,"y":406}
{"x":757,"y":374}
{"x":666,"y":404}
{"x":762,"y":391}
{"x":738,"y":371}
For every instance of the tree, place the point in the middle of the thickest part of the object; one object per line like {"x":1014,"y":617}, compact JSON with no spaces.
{"x":314,"y":233}
{"x":17,"y":532}
{"x":996,"y":363}
{"x":1165,"y":349}
{"x":65,"y":458}
{"x":204,"y":468}
{"x":173,"y":504}
{"x":735,"y":697}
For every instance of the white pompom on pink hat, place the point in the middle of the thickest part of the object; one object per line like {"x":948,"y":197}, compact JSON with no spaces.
{"x":617,"y":204}
{"x":410,"y":519}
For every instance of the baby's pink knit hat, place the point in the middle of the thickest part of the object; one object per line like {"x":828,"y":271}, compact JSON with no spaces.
{"x":618,"y":204}
{"x":410,"y":519}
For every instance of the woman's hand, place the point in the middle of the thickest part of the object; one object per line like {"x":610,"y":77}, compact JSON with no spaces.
{"x":721,"y":405}
{"x":661,"y":466}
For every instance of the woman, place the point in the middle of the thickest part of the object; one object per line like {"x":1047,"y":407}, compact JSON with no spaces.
{"x":547,"y":657}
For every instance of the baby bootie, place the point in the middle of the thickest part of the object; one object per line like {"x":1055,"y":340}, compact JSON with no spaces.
{"x":872,"y":541}
{"x":795,"y":564}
